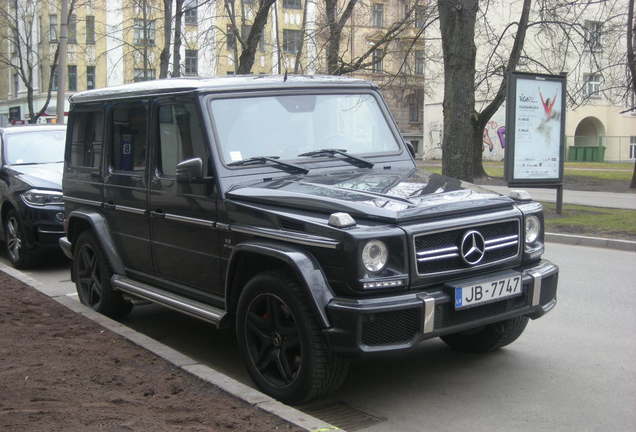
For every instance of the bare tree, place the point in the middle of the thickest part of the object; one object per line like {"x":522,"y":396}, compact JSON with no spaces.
{"x":164,"y":57}
{"x":631,"y":62}
{"x":25,"y":57}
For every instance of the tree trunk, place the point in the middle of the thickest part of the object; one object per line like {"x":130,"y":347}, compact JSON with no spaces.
{"x":303,"y":30}
{"x":631,"y":62}
{"x":246,"y":60}
{"x":457,"y":26}
{"x":164,"y":57}
{"x":176,"y":53}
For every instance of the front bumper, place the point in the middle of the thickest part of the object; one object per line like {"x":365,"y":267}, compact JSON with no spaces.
{"x":402,"y":322}
{"x":43,"y":225}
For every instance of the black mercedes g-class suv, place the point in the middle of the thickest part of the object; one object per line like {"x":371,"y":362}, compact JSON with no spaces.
{"x":292,"y":210}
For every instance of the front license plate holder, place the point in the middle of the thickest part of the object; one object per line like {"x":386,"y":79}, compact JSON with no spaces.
{"x":474,"y":292}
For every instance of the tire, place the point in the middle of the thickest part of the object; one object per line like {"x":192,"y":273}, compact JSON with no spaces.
{"x":489,"y":338}
{"x":18,"y":254}
{"x":92,"y":278}
{"x":281,"y":342}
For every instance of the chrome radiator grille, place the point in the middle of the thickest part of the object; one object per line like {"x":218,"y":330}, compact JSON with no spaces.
{"x":441,"y":251}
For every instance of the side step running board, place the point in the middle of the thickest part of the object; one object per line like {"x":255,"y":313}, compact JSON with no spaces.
{"x":190,"y":307}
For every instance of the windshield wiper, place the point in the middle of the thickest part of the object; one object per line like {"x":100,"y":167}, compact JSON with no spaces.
{"x":274,"y":159}
{"x":341,"y":152}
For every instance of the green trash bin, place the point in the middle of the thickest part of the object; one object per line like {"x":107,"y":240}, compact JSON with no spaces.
{"x":586,"y":154}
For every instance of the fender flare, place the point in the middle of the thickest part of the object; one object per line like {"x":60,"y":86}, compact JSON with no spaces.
{"x":304,"y":265}
{"x":100,"y":228}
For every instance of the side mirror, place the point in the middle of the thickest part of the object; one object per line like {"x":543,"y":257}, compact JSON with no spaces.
{"x":411,"y":148}
{"x":190,"y":170}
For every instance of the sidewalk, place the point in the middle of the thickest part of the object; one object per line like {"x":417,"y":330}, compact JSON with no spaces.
{"x":587,"y":198}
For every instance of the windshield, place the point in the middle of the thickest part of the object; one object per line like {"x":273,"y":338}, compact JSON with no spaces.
{"x":34,"y":147}
{"x":286,"y":126}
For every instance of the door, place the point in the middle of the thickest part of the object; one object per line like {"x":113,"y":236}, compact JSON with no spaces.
{"x":183,"y":238}
{"x":126,"y":185}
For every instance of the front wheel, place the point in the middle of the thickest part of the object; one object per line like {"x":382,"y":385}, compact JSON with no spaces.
{"x":19,"y":255}
{"x":488,"y":338}
{"x":281,"y":341}
{"x":92,"y":279}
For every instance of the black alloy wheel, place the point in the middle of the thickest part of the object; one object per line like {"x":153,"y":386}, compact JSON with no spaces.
{"x":17,"y":252}
{"x":89,"y":277}
{"x":273,"y":340}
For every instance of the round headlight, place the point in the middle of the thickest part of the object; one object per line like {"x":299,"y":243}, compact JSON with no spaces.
{"x":374,"y":255}
{"x":533,"y":228}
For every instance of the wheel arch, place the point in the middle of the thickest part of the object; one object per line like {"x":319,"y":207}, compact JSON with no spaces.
{"x":249,"y":259}
{"x":80,"y":220}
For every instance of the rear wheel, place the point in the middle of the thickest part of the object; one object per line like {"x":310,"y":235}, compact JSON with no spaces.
{"x":488,"y":338}
{"x":281,"y":341}
{"x":17,"y":252}
{"x":92,"y":279}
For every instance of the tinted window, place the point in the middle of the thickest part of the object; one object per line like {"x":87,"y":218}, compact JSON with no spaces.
{"x":129,"y":137}
{"x":87,"y":139}
{"x":34,"y":147}
{"x":179,"y":136}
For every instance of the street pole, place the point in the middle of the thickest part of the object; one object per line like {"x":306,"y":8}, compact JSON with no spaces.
{"x":61,"y":64}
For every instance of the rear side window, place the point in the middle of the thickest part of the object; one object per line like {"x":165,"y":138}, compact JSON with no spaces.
{"x":87,"y":139}
{"x":128,"y":146}
{"x":180,"y":136}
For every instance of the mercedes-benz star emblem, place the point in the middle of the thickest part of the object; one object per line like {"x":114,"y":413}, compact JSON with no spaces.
{"x":472,"y":247}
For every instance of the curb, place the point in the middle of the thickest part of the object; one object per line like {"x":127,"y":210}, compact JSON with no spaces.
{"x":230,"y":385}
{"x":571,"y":239}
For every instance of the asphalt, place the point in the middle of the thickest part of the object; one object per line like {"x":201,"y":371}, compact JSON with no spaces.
{"x":587,"y":198}
{"x":572,"y":370}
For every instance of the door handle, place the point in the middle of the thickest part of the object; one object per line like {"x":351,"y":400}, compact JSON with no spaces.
{"x":109,"y":205}
{"x":157,"y":213}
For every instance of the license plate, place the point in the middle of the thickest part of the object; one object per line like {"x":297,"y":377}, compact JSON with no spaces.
{"x":488,"y":291}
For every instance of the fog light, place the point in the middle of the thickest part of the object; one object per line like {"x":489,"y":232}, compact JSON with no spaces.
{"x":383,"y":284}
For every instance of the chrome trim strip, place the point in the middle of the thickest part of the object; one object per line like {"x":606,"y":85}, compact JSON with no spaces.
{"x":501,"y":245}
{"x":181,"y":304}
{"x":189,"y":220}
{"x":500,"y":239}
{"x":40,"y":230}
{"x":536,"y":288}
{"x":286,"y":236}
{"x":133,"y":210}
{"x":429,"y":314}
{"x":82,"y":201}
{"x":222,"y":226}
{"x":450,"y":227}
{"x":434,"y":251}
{"x":438,"y":257}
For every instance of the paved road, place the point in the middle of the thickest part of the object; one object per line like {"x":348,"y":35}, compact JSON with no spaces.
{"x":589,"y":198}
{"x":572,"y":370}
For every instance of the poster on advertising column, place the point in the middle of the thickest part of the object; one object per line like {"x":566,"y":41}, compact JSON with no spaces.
{"x":535,"y":125}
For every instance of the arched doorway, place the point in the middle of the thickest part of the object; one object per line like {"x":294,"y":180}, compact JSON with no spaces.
{"x":589,"y":132}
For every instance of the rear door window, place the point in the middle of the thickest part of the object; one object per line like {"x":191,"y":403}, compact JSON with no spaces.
{"x":128,"y":146}
{"x":87,"y":139}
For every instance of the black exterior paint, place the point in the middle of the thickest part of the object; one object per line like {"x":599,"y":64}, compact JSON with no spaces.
{"x":238,"y":218}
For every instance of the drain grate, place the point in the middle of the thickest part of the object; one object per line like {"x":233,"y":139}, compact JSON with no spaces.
{"x":342,"y":415}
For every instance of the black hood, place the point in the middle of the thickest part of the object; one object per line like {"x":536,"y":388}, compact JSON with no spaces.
{"x":392,"y":196}
{"x":45,"y":176}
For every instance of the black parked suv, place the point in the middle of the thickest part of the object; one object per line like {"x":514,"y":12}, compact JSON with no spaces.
{"x":292,"y":211}
{"x":31,"y":191}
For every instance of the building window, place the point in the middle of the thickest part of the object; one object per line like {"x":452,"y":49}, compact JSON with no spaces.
{"x":72,"y":29}
{"x":190,"y":13}
{"x":53,"y":28}
{"x":292,"y":4}
{"x":90,"y":77}
{"x":144,"y":32}
{"x":54,"y":79}
{"x":378,"y":56}
{"x":72,"y":78}
{"x":420,"y":17}
{"x":16,"y":84}
{"x":231,"y":38}
{"x":377,"y":17}
{"x":191,"y":62}
{"x":593,"y":30}
{"x":90,"y":30}
{"x":419,"y":62}
{"x":143,"y":74}
{"x":292,"y":40}
{"x":245,"y":33}
{"x":592,"y":86}
{"x":414,"y":101}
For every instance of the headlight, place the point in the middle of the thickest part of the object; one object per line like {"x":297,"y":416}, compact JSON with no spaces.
{"x":533,"y":228}
{"x":42,"y":197}
{"x":374,"y":255}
